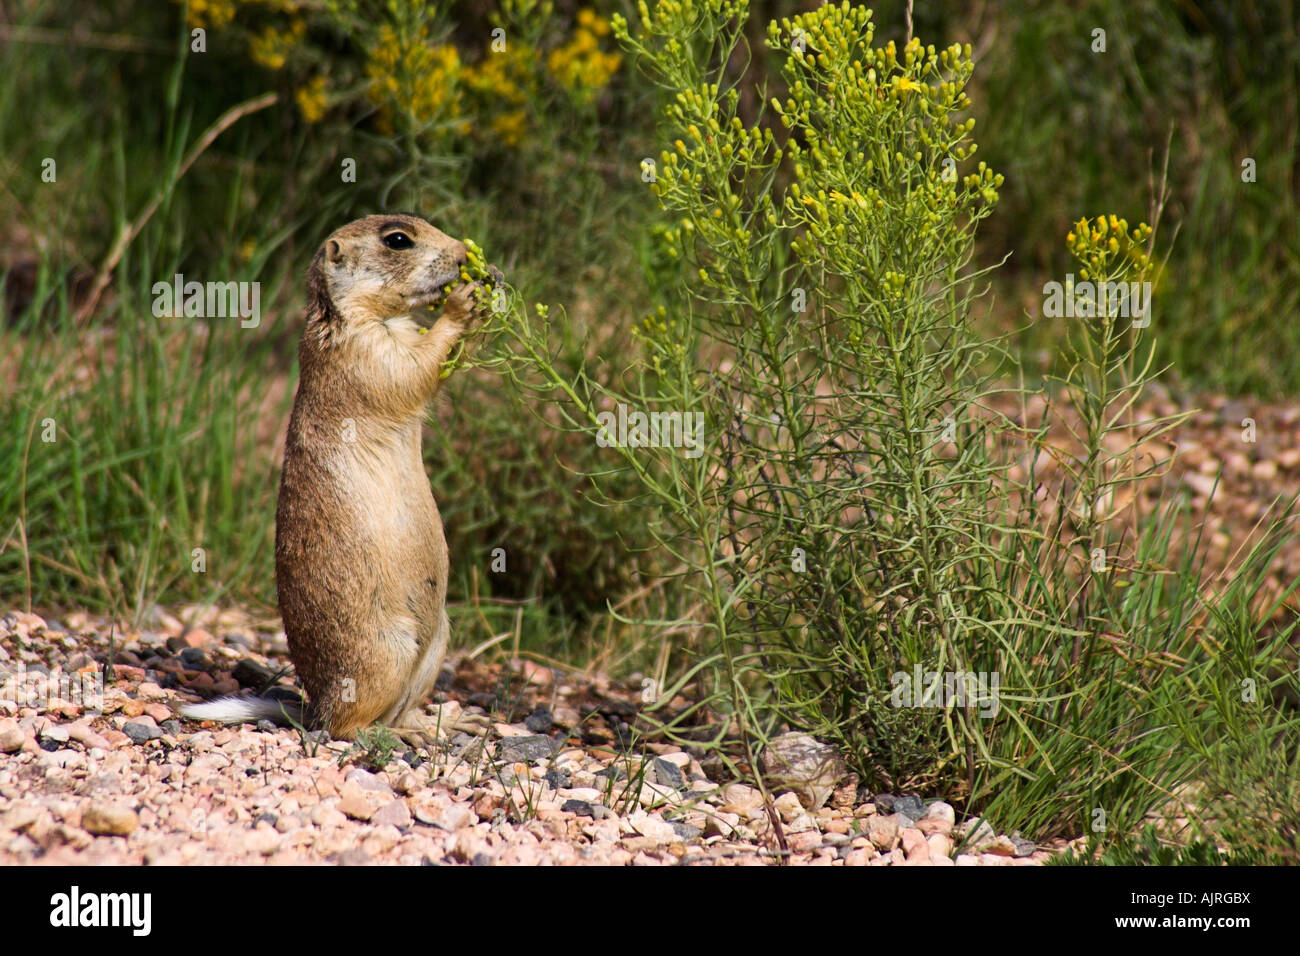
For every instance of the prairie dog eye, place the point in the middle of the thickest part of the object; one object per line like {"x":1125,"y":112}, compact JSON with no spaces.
{"x":398,"y":240}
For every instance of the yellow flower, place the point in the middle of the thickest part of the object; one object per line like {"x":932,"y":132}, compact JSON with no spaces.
{"x":272,"y":47}
{"x":421,"y":81}
{"x":580,"y":66}
{"x":510,"y":126}
{"x":311,"y":99}
{"x":213,"y":14}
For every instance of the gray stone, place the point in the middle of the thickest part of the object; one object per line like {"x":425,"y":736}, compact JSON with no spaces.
{"x":558,"y":779}
{"x":910,"y":806}
{"x":1023,"y":847}
{"x":580,"y":807}
{"x":667,"y":774}
{"x":539,"y":721}
{"x":251,"y":673}
{"x":141,"y":733}
{"x":56,"y":733}
{"x":195,"y":659}
{"x":526,"y":749}
{"x":685,"y":830}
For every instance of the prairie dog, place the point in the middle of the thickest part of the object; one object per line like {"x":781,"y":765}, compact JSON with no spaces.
{"x":360,"y":555}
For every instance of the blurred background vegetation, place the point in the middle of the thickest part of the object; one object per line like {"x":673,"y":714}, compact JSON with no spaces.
{"x":168,"y":429}
{"x":536,"y":153}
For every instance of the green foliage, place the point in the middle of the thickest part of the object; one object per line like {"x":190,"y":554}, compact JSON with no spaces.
{"x":849,"y":518}
{"x":373,"y":748}
{"x":1146,"y":849}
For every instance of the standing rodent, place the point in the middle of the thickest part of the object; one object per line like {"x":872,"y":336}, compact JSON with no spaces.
{"x":360,"y":555}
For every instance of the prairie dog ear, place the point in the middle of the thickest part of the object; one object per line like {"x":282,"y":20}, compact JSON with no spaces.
{"x":334,"y":252}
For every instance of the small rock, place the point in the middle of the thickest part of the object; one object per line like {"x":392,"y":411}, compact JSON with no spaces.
{"x":1023,"y":847}
{"x":140,"y":732}
{"x":19,"y":817}
{"x":685,"y":831}
{"x":845,"y":794}
{"x":262,"y":841}
{"x":251,"y":673}
{"x":882,"y":830}
{"x":147,"y":690}
{"x":557,"y":779}
{"x":196,"y":638}
{"x":366,"y":780}
{"x":738,"y":796}
{"x":884,"y":802}
{"x":721,"y":824}
{"x":1000,"y":846}
{"x":394,"y":813}
{"x":941,"y":811}
{"x":448,"y":818}
{"x":805,"y":765}
{"x":859,"y":857}
{"x":55,"y":732}
{"x":976,"y":832}
{"x":789,"y":807}
{"x":804,"y":841}
{"x":11,"y":740}
{"x":82,"y":734}
{"x":526,"y":749}
{"x":667,"y":774}
{"x":109,"y":820}
{"x":579,"y":807}
{"x":486,"y":805}
{"x":910,"y":806}
{"x":913,"y":841}
{"x":355,"y":806}
{"x":195,"y":660}
{"x":652,"y":827}
{"x":539,"y":721}
{"x":323,"y":816}
{"x":940,"y":845}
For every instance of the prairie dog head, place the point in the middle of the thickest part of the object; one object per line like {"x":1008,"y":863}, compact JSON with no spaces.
{"x":382,"y":267}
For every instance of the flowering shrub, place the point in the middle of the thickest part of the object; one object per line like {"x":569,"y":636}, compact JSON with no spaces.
{"x":862,"y":561}
{"x":446,"y":92}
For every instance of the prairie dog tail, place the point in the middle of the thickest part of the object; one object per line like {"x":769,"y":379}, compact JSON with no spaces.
{"x":239,"y":710}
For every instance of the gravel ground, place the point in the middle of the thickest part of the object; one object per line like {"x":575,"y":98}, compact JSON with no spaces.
{"x":126,"y":782}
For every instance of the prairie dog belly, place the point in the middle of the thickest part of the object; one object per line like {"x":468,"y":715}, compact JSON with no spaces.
{"x":398,"y":520}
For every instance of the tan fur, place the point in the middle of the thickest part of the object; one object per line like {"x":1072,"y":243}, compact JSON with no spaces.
{"x":360,"y":555}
